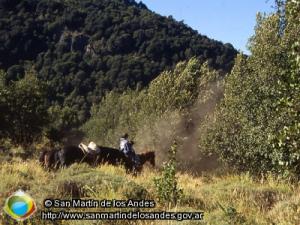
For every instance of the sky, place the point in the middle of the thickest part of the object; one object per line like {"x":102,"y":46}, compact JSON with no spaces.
{"x":229,"y":21}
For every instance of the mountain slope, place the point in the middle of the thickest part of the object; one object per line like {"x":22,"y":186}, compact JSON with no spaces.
{"x":85,"y":48}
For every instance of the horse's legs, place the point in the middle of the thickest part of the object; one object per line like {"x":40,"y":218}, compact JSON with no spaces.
{"x":96,"y":161}
{"x":47,"y":161}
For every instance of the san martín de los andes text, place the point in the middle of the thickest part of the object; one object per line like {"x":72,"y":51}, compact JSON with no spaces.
{"x":104,"y":203}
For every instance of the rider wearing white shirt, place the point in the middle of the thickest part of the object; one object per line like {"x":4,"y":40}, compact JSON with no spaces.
{"x":127,"y":149}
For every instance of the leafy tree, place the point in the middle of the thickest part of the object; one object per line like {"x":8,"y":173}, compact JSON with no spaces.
{"x":23,"y":107}
{"x":256,"y":128}
{"x":287,"y":141}
{"x":62,"y":120}
{"x":116,"y":114}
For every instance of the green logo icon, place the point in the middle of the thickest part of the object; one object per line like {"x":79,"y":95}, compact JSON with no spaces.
{"x":20,"y":206}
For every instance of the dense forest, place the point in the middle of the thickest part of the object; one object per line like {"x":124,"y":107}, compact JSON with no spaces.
{"x":86,"y":48}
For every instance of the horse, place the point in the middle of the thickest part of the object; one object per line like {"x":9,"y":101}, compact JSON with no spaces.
{"x":146,"y":157}
{"x":55,"y":158}
{"x":50,"y":158}
{"x":42,"y":157}
{"x":73,"y":154}
{"x":114,"y":156}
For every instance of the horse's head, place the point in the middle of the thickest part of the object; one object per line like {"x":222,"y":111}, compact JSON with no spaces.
{"x":148,"y":157}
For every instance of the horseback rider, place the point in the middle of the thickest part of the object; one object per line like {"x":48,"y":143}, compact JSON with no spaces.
{"x":127,"y":149}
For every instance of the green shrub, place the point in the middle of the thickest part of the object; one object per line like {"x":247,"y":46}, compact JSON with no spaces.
{"x":166,"y":185}
{"x":232,"y":216}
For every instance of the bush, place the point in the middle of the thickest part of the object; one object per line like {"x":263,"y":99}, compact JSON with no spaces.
{"x":167,"y":185}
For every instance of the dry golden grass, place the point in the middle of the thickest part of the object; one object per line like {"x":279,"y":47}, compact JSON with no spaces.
{"x":228,"y":199}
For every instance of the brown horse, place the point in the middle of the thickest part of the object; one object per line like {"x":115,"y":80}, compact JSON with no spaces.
{"x":50,"y":159}
{"x":55,"y":158}
{"x":146,"y":157}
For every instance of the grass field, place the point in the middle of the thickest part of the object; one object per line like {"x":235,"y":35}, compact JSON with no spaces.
{"x":224,"y":199}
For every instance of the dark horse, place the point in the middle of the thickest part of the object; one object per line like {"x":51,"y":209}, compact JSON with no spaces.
{"x":53,"y":159}
{"x":146,"y":157}
{"x":72,"y":154}
{"x":50,"y":159}
{"x":114,"y":156}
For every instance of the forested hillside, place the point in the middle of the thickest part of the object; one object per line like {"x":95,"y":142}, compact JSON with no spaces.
{"x":86,"y":48}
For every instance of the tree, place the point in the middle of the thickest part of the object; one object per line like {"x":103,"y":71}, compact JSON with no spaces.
{"x":23,"y":113}
{"x":286,"y":142}
{"x":62,"y":120}
{"x":256,"y":127}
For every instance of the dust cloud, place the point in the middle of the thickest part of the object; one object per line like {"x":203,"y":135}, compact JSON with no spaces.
{"x":186,"y":129}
